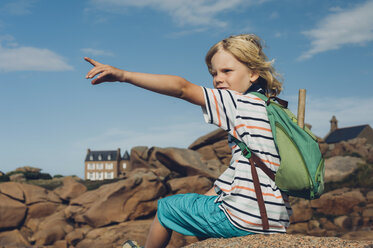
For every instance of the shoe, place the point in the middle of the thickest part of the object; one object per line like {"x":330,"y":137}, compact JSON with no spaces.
{"x":131,"y":244}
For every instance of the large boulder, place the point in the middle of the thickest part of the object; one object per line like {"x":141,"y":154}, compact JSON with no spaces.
{"x":13,"y":239}
{"x":128,"y":199}
{"x":52,"y":228}
{"x":185,"y":162}
{"x":214,"y":146}
{"x":28,"y":169}
{"x":209,"y":139}
{"x":13,"y":190}
{"x":12,"y":212}
{"x":192,"y":184}
{"x":338,"y":167}
{"x":70,"y":189}
{"x":301,"y":211}
{"x":28,"y":193}
{"x":339,"y":201}
{"x":114,"y":236}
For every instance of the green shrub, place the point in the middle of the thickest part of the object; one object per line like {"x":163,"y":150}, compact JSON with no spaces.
{"x":4,"y":178}
{"x":57,"y":176}
{"x":92,"y":185}
{"x":45,"y":176}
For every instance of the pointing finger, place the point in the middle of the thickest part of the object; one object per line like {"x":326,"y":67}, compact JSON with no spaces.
{"x":93,"y":62}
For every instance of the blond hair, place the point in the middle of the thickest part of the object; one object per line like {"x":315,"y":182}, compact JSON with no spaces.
{"x":247,"y":48}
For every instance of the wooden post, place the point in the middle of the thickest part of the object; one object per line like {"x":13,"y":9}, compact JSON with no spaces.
{"x":301,"y":107}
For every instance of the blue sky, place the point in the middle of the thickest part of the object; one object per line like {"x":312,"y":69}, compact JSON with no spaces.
{"x":51,"y":114}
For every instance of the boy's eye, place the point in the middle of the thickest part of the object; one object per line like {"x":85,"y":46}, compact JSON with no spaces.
{"x":226,"y":70}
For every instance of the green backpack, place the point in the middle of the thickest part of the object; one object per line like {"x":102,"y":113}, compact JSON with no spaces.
{"x":301,"y":171}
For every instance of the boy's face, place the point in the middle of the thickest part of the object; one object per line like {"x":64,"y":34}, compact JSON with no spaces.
{"x":229,"y":73}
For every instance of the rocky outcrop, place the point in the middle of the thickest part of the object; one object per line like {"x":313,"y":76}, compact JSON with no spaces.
{"x":335,"y":213}
{"x":71,"y":216}
{"x":355,"y":147}
{"x":338,"y":167}
{"x":70,"y":189}
{"x":129,"y":199}
{"x":171,"y":162}
{"x":280,"y":241}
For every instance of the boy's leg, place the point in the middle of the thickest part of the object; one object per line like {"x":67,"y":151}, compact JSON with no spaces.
{"x":158,"y":236}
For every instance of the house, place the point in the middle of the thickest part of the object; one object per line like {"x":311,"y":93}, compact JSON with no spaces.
{"x":336,"y":134}
{"x":100,"y":165}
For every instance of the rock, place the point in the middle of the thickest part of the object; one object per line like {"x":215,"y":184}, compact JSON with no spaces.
{"x":179,"y":240}
{"x":139,"y":157}
{"x":41,"y":209}
{"x":192,"y":184}
{"x":338,"y":167}
{"x":28,"y":193}
{"x":340,"y":221}
{"x":279,"y":240}
{"x":13,"y":239}
{"x":28,"y":169}
{"x":209,"y":139}
{"x":12,"y":190}
{"x":185,"y":162}
{"x":75,"y":237}
{"x":70,"y":189}
{"x":359,"y":235}
{"x":51,"y":229}
{"x":338,"y":202}
{"x":298,"y":228}
{"x":12,"y":212}
{"x":60,"y":244}
{"x":222,"y":149}
{"x":19,"y":177}
{"x":114,"y":236}
{"x":370,"y":197}
{"x":128,"y":199}
{"x":301,"y":211}
{"x":368,"y":211}
{"x":207,"y":153}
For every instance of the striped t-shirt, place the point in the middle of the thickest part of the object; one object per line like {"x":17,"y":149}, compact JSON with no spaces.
{"x":244,"y":116}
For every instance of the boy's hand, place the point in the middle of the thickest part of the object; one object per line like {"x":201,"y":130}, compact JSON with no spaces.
{"x":106,"y":73}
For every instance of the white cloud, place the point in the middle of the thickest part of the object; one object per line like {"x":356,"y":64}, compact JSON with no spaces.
{"x":195,"y":13}
{"x":352,"y":26}
{"x":96,"y":52}
{"x":22,"y":58}
{"x":349,"y":111}
{"x":19,"y":7}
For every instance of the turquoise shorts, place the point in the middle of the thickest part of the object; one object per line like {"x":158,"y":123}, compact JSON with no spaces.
{"x":196,"y":215}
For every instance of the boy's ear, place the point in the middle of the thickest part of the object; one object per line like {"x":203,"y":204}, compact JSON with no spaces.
{"x":254,"y":76}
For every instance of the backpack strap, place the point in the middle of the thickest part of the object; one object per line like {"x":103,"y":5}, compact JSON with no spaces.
{"x":255,"y":160}
{"x":282,"y":102}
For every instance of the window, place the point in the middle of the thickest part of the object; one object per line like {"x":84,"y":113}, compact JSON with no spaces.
{"x":109,"y":157}
{"x":124,"y":165}
{"x":99,"y":157}
{"x":99,"y":176}
{"x":109,"y":175}
{"x":100,"y":166}
{"x":91,"y":166}
{"x":91,"y":176}
{"x":90,"y":157}
{"x":109,"y":166}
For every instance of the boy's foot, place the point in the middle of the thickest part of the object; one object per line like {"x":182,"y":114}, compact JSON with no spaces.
{"x":130,"y":244}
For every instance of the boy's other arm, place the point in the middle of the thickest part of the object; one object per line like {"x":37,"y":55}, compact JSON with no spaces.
{"x":164,"y":84}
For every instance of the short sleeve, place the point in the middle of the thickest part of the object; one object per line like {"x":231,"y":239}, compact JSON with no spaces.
{"x":220,"y":108}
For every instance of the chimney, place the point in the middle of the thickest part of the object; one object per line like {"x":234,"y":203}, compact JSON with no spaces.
{"x":333,"y":124}
{"x":118,"y":155}
{"x":88,"y":151}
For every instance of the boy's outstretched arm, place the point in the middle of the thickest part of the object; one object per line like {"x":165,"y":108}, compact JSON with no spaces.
{"x":164,"y":84}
